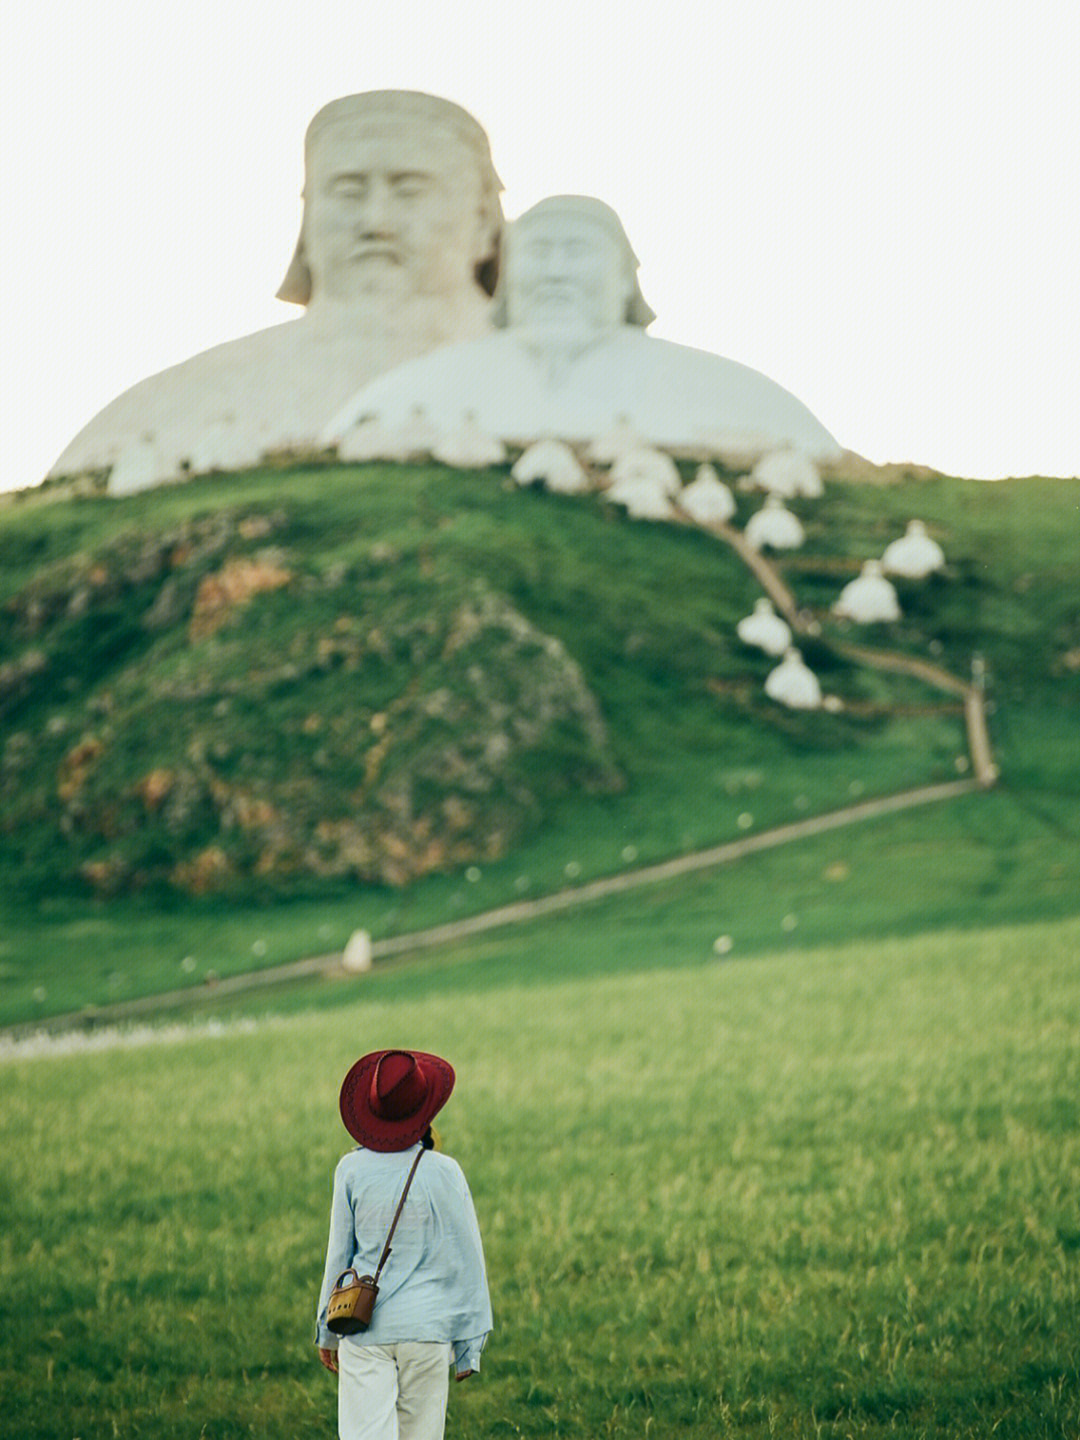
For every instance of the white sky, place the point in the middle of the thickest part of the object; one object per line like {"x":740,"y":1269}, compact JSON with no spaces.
{"x":877,"y":206}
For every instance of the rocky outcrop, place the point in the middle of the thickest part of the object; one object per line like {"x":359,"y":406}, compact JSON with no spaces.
{"x":201,"y":711}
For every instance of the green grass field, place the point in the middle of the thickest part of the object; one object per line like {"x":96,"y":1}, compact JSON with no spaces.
{"x":826,"y":1185}
{"x":820,"y":1191}
{"x":995,"y":858}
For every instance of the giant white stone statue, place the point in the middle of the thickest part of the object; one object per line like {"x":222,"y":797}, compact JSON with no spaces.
{"x":398,"y":253}
{"x":572,"y":361}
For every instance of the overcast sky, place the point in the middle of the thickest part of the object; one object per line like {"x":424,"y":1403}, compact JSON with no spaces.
{"x":877,"y":206}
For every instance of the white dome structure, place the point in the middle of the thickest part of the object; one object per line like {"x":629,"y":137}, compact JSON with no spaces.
{"x":606,"y":448}
{"x":642,"y":499}
{"x":765,"y":629}
{"x":788,"y":473}
{"x":707,"y":499}
{"x":469,"y":447}
{"x":372,"y":440}
{"x":915,"y":556}
{"x":420,"y":435}
{"x":793,"y":684}
{"x":869,"y":600}
{"x":219,"y":445}
{"x":774,"y":527}
{"x":555,"y":464}
{"x":646,"y":466}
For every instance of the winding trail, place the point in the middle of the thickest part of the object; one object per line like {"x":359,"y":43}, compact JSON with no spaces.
{"x":517,"y":913}
{"x":520,"y":912}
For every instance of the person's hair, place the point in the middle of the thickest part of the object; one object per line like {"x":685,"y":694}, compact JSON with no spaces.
{"x":427,"y":1140}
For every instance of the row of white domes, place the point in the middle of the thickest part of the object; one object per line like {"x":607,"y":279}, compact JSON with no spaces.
{"x":646,"y":483}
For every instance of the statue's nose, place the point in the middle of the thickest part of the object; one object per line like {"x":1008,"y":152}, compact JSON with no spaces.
{"x":375,"y":209}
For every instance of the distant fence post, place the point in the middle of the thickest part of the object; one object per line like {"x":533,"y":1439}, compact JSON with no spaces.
{"x":986,"y":772}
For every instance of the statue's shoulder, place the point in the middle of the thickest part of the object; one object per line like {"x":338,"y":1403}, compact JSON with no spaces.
{"x":201,"y":383}
{"x":443,"y":382}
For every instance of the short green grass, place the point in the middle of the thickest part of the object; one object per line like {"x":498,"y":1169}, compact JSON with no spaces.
{"x":991,"y":858}
{"x":824,"y":1191}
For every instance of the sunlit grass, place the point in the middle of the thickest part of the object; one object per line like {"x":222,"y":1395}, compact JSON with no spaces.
{"x":821,"y":1192}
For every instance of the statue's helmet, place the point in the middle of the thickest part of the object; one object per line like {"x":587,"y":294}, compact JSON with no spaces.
{"x":428,"y":113}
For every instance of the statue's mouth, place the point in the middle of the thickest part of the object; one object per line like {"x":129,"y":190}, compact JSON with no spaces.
{"x":555,"y":292}
{"x":376,"y":251}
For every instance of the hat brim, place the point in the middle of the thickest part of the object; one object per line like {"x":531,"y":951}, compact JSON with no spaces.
{"x":371,"y":1130}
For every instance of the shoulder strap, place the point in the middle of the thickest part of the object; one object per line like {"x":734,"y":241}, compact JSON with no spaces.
{"x":397,"y":1215}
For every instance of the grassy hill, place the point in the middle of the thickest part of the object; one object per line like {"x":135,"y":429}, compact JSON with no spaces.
{"x":386,"y":694}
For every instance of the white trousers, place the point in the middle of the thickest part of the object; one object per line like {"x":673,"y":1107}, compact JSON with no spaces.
{"x":393,"y":1392}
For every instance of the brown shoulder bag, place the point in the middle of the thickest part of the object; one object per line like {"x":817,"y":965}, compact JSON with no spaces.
{"x":353,"y":1297}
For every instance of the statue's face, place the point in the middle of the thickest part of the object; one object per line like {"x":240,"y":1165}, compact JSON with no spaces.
{"x":393,"y":212}
{"x":566,"y":270}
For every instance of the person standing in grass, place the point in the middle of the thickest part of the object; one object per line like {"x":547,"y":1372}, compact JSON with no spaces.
{"x":433,"y":1308}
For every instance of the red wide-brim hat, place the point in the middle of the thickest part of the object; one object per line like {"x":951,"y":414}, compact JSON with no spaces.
{"x":389,"y":1098}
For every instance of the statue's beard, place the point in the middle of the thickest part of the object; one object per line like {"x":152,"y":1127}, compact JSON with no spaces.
{"x":389,"y":309}
{"x":556,"y":341}
{"x":375,"y":274}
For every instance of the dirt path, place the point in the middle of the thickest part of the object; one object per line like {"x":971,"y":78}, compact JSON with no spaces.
{"x":519,"y":912}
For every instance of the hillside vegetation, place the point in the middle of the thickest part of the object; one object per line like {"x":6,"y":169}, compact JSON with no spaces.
{"x":241,"y":717}
{"x":251,"y":684}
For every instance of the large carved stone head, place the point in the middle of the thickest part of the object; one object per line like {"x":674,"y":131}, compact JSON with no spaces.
{"x":568,"y":262}
{"x":401,"y":198}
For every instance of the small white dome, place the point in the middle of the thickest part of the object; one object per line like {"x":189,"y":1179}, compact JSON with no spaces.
{"x":372,"y":440}
{"x":646,"y":465}
{"x":915,"y":556}
{"x":469,"y":447}
{"x":793,"y":684}
{"x":788,"y":473}
{"x":869,"y":600}
{"x":219,"y":445}
{"x":643,"y":499}
{"x":553,"y":462}
{"x":765,"y":629}
{"x":420,"y":434}
{"x":622,"y":436}
{"x":774,"y":527}
{"x":707,"y":499}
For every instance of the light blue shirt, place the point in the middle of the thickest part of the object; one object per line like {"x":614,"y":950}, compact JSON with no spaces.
{"x":433,"y":1285}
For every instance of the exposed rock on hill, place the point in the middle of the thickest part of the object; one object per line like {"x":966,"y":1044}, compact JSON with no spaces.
{"x":238,"y":714}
